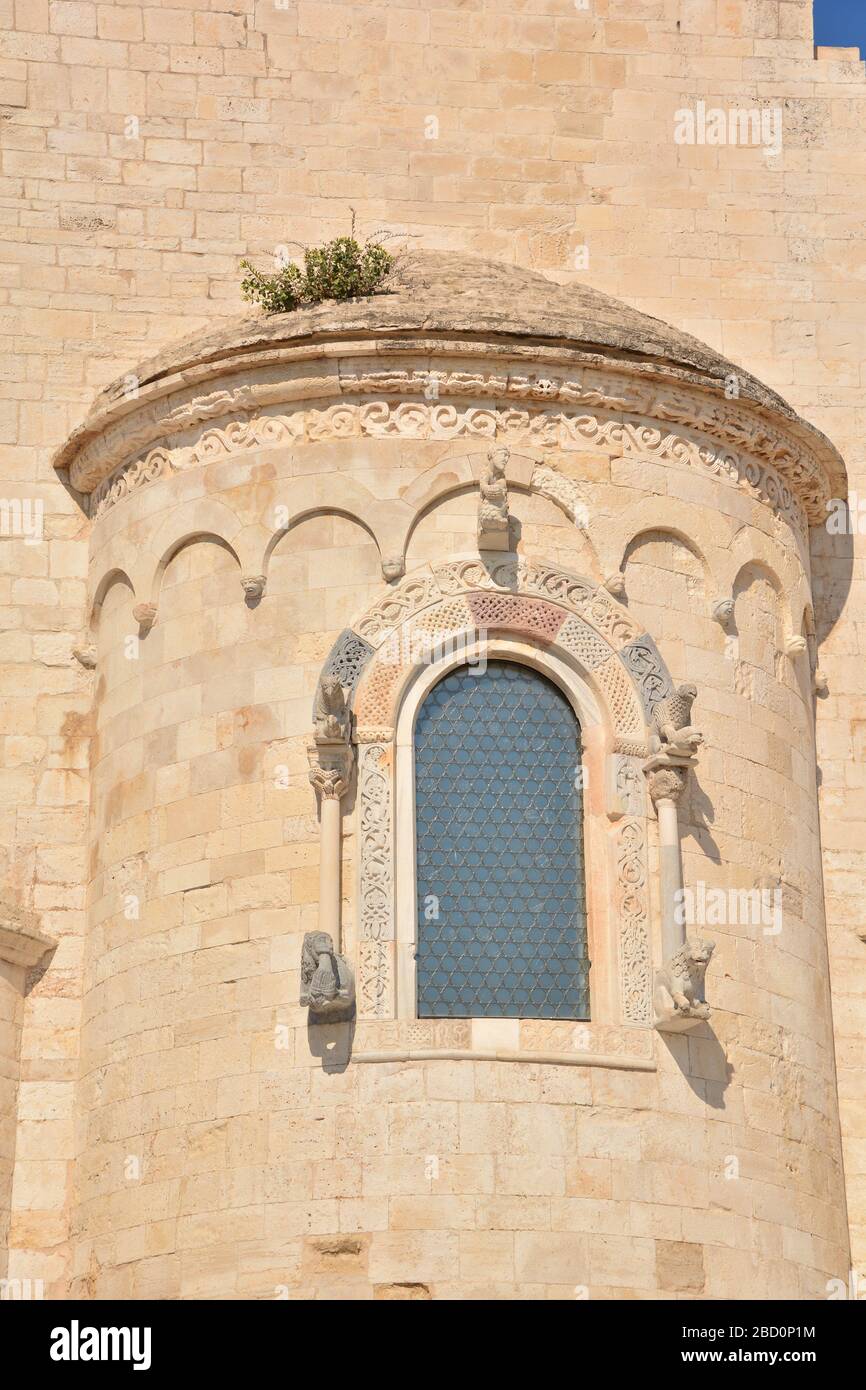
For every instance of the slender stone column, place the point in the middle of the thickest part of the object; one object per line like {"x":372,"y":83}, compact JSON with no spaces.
{"x":666,"y":782}
{"x":678,"y":987}
{"x":330,"y":774}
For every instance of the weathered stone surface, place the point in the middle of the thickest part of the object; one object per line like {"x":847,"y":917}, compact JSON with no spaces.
{"x":173,"y":1127}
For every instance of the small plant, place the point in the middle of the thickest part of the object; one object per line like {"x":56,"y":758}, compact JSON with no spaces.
{"x":341,"y":269}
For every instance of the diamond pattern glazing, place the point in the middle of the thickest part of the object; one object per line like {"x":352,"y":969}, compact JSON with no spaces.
{"x":501,"y":901}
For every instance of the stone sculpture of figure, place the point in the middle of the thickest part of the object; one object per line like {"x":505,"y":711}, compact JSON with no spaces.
{"x":332,"y":717}
{"x":327,"y":982}
{"x":673,"y":732}
{"x":493,"y":504}
{"x":679,"y":985}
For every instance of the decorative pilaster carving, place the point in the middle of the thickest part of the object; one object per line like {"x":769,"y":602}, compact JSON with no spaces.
{"x":376,"y":910}
{"x":635,"y":963}
{"x":330,"y":754}
{"x":493,"y":526}
{"x":626,"y":791}
{"x":678,"y":990}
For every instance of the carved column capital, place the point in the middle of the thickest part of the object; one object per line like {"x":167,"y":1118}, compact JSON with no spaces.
{"x":666,"y":777}
{"x":329,"y":782}
{"x":330,"y":768}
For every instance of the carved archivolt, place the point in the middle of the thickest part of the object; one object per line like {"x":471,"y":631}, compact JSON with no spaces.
{"x":467,"y":599}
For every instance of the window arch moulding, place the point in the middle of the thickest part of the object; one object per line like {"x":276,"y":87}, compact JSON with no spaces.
{"x":569,"y":629}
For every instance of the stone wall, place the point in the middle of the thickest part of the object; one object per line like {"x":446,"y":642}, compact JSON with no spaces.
{"x":144,"y":150}
{"x":220,"y":1155}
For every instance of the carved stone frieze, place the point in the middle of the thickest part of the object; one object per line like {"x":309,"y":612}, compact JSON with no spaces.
{"x":557,"y":1035}
{"x":535,"y":426}
{"x":405,"y":1033}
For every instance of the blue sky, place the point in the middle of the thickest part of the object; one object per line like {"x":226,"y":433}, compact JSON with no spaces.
{"x":841,"y":23}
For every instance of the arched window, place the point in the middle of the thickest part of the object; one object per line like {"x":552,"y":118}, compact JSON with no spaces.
{"x":501,"y":925}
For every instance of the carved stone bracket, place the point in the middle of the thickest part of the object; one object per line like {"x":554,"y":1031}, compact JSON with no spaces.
{"x":21,"y":941}
{"x":85,"y":655}
{"x":145,"y":615}
{"x":678,"y":991}
{"x":327,"y":980}
{"x":253,"y":586}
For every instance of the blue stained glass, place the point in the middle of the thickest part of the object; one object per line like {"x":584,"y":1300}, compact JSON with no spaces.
{"x":499,"y":851}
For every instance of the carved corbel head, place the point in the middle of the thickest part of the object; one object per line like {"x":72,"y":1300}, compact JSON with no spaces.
{"x":393,"y":567}
{"x":145,"y":615}
{"x":795,"y":646}
{"x":253,"y":587}
{"x":615,"y":585}
{"x":820,"y":684}
{"x":723,"y":612}
{"x":85,"y":655}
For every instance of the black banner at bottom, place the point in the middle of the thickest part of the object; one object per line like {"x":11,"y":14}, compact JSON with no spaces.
{"x":252,"y":1339}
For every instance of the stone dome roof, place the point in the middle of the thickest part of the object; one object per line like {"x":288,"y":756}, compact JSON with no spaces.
{"x":435,"y":301}
{"x":444,"y":293}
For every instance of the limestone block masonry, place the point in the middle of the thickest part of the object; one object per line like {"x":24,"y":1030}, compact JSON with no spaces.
{"x":204,"y":514}
{"x":228,"y":1143}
